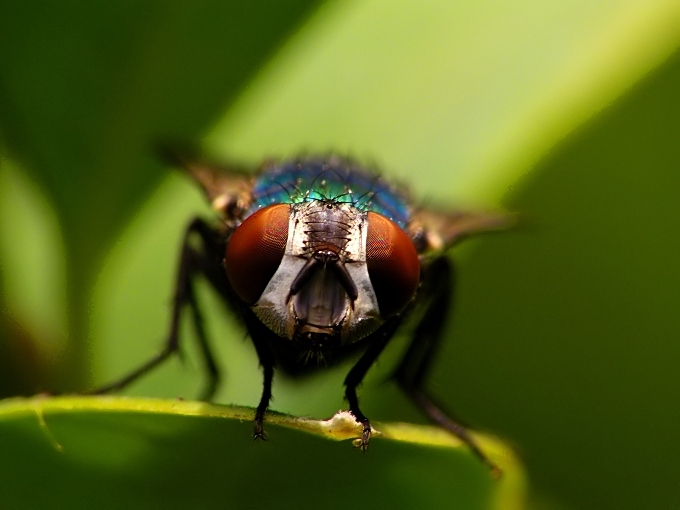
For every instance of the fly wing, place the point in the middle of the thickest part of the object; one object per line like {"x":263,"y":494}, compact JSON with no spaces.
{"x":439,"y":230}
{"x":227,"y":188}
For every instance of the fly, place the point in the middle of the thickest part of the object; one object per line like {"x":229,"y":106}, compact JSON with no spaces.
{"x":320,"y":258}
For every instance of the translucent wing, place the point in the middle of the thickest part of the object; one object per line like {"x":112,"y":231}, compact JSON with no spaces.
{"x":227,"y":188}
{"x":439,"y":230}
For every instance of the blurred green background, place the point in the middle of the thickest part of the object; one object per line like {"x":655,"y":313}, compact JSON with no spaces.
{"x":565,"y":340}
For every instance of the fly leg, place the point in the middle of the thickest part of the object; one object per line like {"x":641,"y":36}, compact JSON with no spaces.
{"x":411,"y":372}
{"x":193,"y":262}
{"x":358,"y":372}
{"x":262,"y":339}
{"x":258,"y":426}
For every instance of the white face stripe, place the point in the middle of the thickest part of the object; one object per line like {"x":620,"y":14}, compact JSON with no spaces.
{"x":275,"y":309}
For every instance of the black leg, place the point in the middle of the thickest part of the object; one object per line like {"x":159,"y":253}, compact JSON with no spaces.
{"x":192,"y":263}
{"x":258,"y":428}
{"x":376,"y":344}
{"x":411,"y":372}
{"x":262,"y":338}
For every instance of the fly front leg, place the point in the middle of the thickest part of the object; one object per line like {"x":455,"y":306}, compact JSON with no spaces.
{"x":377,"y":343}
{"x":411,"y":372}
{"x":262,"y":339}
{"x":193,"y":261}
{"x":258,"y":425}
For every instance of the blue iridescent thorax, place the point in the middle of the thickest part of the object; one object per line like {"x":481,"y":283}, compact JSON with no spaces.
{"x":332,"y":179}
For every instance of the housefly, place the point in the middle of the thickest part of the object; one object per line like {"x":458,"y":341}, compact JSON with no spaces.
{"x":321,"y":258}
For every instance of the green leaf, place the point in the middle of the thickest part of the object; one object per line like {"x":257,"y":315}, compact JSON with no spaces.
{"x":142,"y":453}
{"x":457,"y":98}
{"x":572,"y":339}
{"x":87,"y":89}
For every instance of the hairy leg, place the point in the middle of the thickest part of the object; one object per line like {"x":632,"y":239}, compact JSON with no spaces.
{"x":376,"y":344}
{"x":414,"y":367}
{"x":193,"y":262}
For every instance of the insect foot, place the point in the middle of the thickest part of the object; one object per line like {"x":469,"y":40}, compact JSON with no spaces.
{"x":258,"y":430}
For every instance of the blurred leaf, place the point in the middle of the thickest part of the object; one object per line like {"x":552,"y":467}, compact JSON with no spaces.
{"x":33,"y":285}
{"x":144,"y":453}
{"x":579,"y":311}
{"x":457,"y":98}
{"x":86,"y":88}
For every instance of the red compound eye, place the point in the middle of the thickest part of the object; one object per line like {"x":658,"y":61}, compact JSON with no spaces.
{"x":393,"y":264}
{"x":255,"y":250}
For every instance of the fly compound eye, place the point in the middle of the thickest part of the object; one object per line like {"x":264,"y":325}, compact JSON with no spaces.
{"x":255,"y":250}
{"x":393,"y":264}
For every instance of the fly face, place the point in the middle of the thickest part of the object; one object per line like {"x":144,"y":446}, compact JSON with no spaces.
{"x":321,"y":293}
{"x":317,"y":264}
{"x":318,"y":256}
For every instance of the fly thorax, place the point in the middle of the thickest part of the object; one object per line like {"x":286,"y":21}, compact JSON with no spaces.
{"x":321,"y":291}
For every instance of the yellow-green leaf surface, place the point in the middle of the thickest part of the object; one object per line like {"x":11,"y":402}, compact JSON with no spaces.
{"x":141,"y":453}
{"x":464,"y":95}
